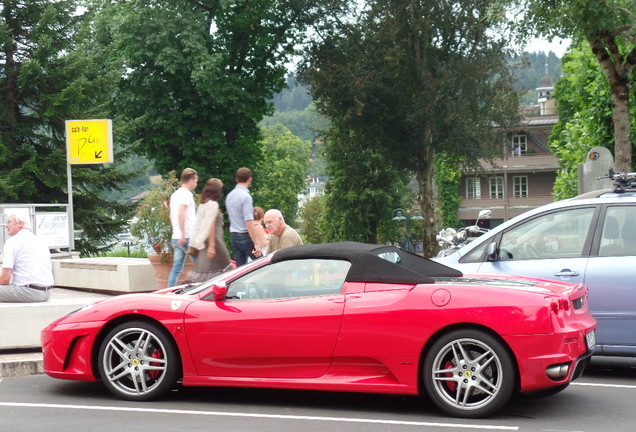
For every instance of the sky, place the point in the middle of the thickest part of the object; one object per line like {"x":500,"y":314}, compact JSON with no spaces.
{"x":558,"y":46}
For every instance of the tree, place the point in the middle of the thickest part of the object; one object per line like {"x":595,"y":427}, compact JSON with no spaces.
{"x":609,"y":29}
{"x":313,"y":220}
{"x":414,"y":78}
{"x":585,"y":116}
{"x":280,"y":174}
{"x":448,"y":179}
{"x":199,"y":74}
{"x":362,"y":190}
{"x":48,"y":76}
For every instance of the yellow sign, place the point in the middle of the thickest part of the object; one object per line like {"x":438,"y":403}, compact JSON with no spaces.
{"x":89,"y":141}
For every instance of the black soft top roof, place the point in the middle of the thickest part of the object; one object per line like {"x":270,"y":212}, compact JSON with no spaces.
{"x":368,"y":266}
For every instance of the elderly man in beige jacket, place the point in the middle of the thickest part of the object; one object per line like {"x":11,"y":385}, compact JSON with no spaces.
{"x":281,"y":235}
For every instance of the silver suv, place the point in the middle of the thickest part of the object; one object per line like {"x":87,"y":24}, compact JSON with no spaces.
{"x":589,"y":239}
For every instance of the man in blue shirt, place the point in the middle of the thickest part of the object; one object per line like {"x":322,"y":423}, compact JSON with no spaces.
{"x":240,"y":210}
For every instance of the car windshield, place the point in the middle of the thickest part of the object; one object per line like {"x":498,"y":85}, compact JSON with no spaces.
{"x":554,"y":235}
{"x":291,"y":278}
{"x":219,"y":279}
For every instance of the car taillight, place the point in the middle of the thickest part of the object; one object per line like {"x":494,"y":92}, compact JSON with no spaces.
{"x":578,"y":303}
{"x":559,"y":305}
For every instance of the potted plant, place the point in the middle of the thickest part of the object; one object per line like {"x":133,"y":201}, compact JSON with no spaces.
{"x":152,"y":224}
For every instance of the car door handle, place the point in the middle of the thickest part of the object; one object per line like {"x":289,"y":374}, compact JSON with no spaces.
{"x":566,"y":272}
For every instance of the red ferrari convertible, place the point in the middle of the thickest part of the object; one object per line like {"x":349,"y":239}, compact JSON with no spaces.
{"x":342,"y":317}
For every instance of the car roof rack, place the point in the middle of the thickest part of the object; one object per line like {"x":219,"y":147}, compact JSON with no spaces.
{"x":623,"y":182}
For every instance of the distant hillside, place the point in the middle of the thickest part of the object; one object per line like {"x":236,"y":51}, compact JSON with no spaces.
{"x":140,"y":183}
{"x":528,"y":70}
{"x":293,"y":109}
{"x":294,"y":98}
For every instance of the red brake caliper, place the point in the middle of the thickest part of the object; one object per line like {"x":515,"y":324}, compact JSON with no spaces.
{"x":452,"y":385}
{"x":154,"y":374}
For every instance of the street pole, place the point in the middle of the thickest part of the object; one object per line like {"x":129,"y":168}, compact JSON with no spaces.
{"x":400,"y":214}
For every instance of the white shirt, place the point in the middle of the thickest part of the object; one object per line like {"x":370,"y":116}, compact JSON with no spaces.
{"x":182,"y":196}
{"x":29,"y":258}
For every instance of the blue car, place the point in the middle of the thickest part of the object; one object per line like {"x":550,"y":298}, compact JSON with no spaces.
{"x":589,"y":239}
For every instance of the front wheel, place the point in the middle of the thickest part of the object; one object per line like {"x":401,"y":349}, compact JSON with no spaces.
{"x":138,"y":361}
{"x":469,"y":373}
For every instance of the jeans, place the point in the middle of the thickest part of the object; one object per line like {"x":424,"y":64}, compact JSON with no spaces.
{"x":243,"y":246}
{"x":179,"y":257}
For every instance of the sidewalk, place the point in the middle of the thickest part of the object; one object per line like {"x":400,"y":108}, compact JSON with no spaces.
{"x":21,"y":362}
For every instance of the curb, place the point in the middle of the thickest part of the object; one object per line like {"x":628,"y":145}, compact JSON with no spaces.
{"x":18,"y":365}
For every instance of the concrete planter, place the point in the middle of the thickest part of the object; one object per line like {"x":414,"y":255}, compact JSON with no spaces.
{"x":106,"y":274}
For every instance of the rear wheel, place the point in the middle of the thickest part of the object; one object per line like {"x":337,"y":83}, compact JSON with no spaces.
{"x":469,"y":373}
{"x":138,"y":361}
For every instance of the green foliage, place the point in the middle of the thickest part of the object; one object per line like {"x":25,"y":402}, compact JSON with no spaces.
{"x":313,"y":220}
{"x":280,"y":174}
{"x":152,"y":222}
{"x":318,"y":164}
{"x":448,"y":178}
{"x":123,"y":253}
{"x":197,"y":76}
{"x":608,"y":27}
{"x":585,"y":116}
{"x":578,"y":18}
{"x":307,"y":124}
{"x":361,"y":192}
{"x":411,"y":79}
{"x":48,"y":75}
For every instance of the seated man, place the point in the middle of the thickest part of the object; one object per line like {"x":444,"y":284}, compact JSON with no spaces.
{"x":281,"y":235}
{"x":27,"y":274}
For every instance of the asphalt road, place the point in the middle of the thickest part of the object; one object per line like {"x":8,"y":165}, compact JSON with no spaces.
{"x":602,"y":400}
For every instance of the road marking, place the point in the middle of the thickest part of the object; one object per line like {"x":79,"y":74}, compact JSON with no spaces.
{"x":605,"y":385}
{"x":265,"y":416}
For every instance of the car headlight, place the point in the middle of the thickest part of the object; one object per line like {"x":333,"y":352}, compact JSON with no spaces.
{"x":81,"y":308}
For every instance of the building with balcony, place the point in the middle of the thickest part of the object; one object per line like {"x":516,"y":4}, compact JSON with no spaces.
{"x":520,"y":179}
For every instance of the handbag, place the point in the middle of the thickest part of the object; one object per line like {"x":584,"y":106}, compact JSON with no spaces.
{"x":192,"y":251}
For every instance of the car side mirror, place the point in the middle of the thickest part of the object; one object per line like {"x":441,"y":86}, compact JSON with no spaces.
{"x":491,"y":253}
{"x":219,"y":292}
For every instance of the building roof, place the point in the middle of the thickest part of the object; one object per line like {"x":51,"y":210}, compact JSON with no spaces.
{"x":546,"y":82}
{"x":546,"y":120}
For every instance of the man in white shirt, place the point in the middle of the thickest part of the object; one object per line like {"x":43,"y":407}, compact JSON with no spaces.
{"x":27,"y":274}
{"x":182,"y":215}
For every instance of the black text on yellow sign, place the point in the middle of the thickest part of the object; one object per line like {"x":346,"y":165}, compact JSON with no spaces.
{"x":89,"y":141}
